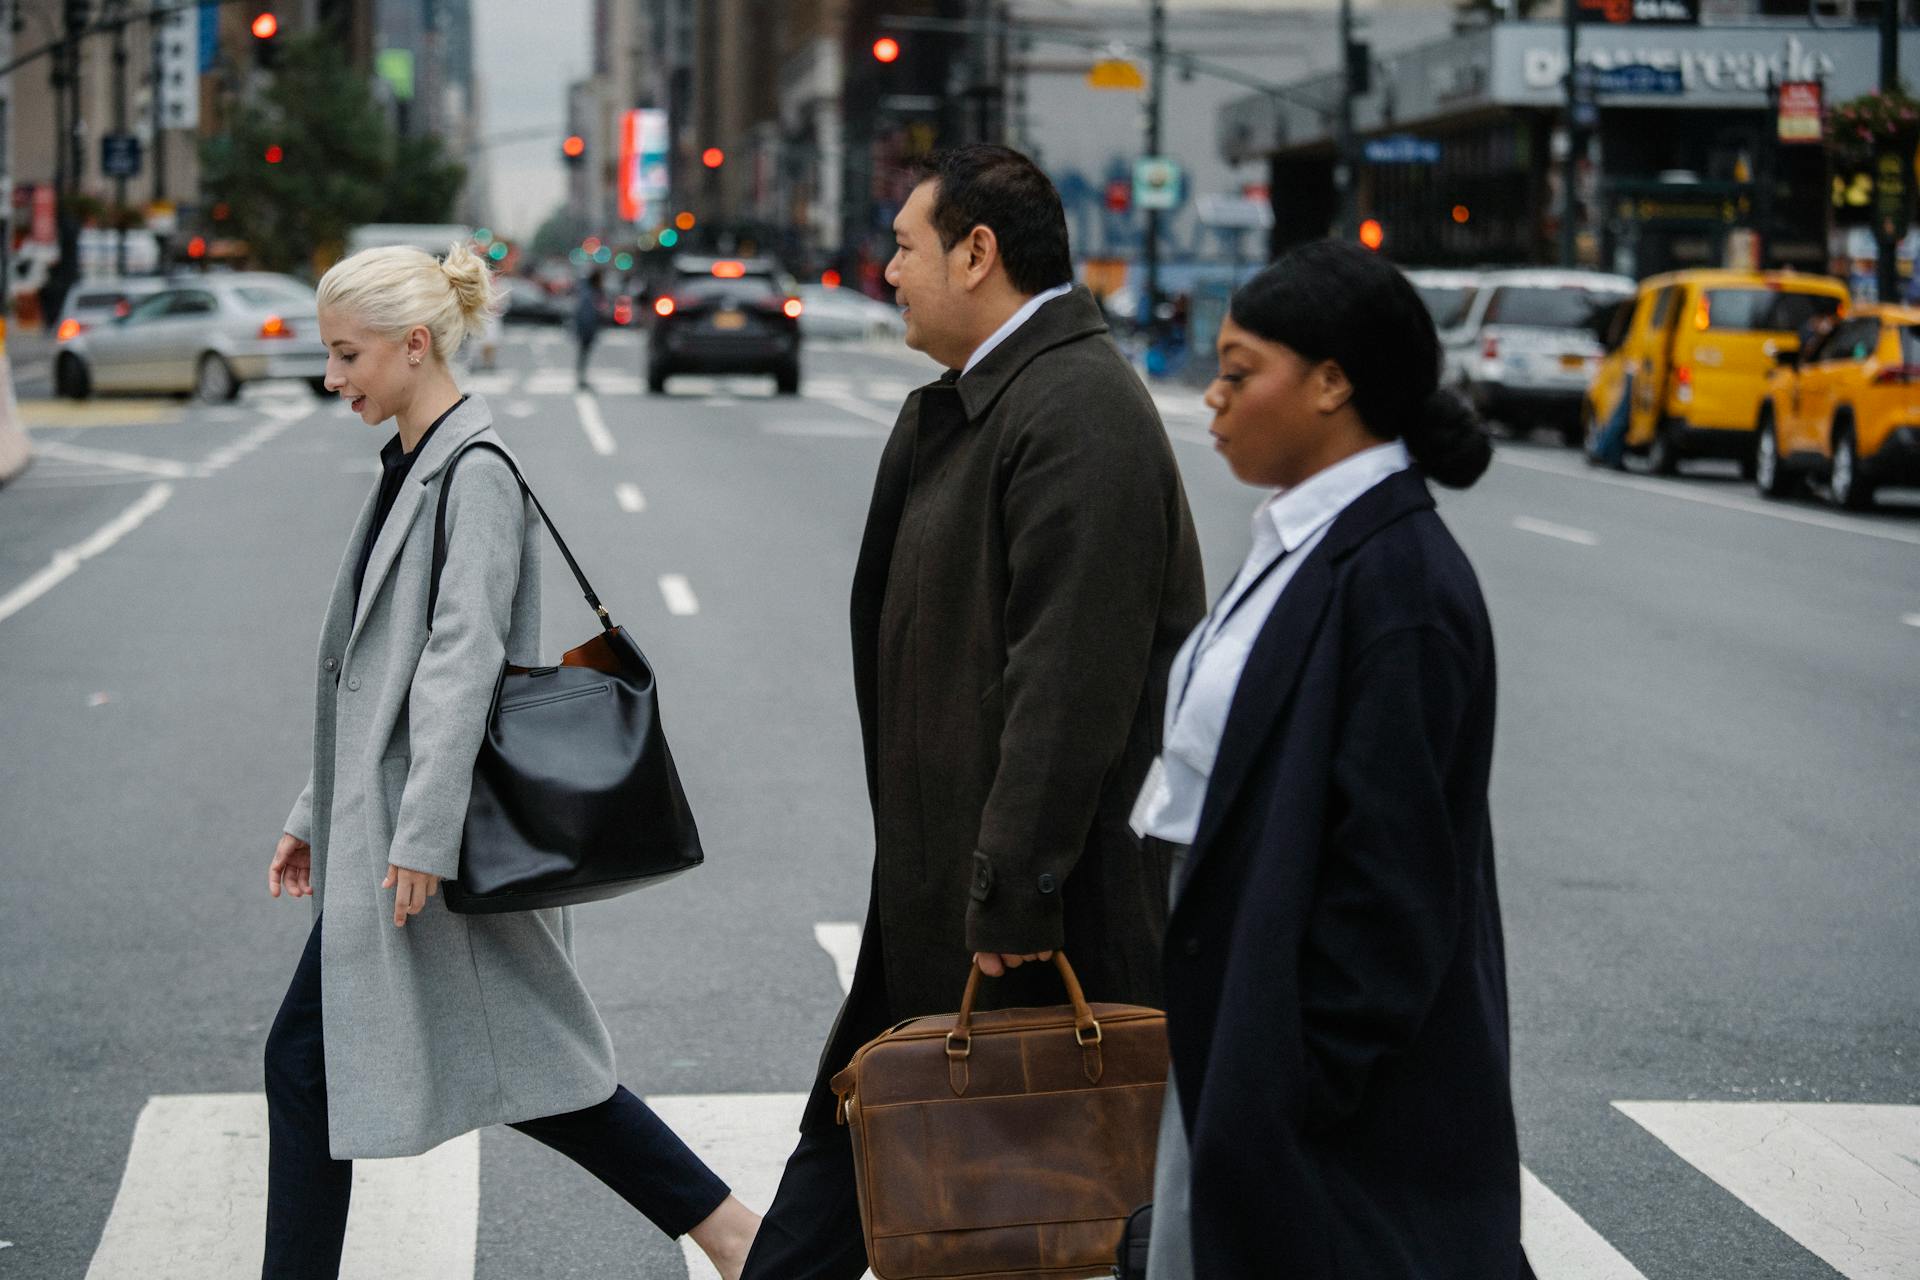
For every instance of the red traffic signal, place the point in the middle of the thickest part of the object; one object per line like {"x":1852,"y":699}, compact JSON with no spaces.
{"x":574,"y":147}
{"x":274,"y":154}
{"x":266,"y":27}
{"x":713,"y":157}
{"x":1372,"y":234}
{"x":197,"y":247}
{"x":886,"y":49}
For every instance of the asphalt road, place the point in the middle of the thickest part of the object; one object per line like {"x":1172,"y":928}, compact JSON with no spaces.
{"x":1703,"y":793}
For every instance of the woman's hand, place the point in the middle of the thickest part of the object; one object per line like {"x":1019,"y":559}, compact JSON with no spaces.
{"x":292,"y":866}
{"x":411,"y":889}
{"x":995,"y":964}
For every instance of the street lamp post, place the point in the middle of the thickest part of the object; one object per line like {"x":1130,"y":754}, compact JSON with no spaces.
{"x":1888,"y":231}
{"x":1343,"y":162}
{"x":1157,"y":54}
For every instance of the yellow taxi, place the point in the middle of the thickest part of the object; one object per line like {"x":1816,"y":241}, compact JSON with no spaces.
{"x":1845,"y":407}
{"x":1694,"y":354}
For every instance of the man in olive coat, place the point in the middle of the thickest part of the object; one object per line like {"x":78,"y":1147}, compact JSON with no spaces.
{"x":1028,"y":570}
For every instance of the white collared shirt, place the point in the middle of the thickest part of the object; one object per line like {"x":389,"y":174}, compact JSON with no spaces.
{"x":1200,"y":690}
{"x":1014,"y":321}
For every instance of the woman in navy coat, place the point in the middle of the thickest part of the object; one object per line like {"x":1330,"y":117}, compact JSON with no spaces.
{"x":1336,"y":981}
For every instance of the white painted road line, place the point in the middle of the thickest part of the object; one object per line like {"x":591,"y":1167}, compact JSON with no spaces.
{"x":678,"y":593}
{"x":593,"y":424}
{"x":164,"y":468}
{"x":1912,"y":619}
{"x":68,"y":559}
{"x":192,"y":1202}
{"x":1842,"y":1180}
{"x":629,"y":497}
{"x":858,"y":408}
{"x":1560,"y":1244}
{"x":1726,"y":502}
{"x":842,"y":942}
{"x":1548,"y":529}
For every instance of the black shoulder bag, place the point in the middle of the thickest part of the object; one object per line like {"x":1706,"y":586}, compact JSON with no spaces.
{"x":575,"y":796}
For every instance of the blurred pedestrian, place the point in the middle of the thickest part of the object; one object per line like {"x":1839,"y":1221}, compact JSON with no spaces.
{"x":406,"y":1025}
{"x":589,"y":313}
{"x":1336,"y":986}
{"x":1029,"y":567}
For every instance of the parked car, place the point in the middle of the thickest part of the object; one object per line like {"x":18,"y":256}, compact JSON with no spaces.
{"x":204,"y":335}
{"x":529,"y":302}
{"x":92,"y":303}
{"x":1699,"y":347}
{"x":1844,"y":407}
{"x":1532,"y":344}
{"x":1448,"y":296}
{"x":847,"y":314}
{"x":725,"y":323}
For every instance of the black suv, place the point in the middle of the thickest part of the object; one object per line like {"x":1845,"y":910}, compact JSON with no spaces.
{"x":723,"y":323}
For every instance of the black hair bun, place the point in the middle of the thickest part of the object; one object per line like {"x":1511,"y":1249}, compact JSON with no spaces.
{"x":1448,"y":440}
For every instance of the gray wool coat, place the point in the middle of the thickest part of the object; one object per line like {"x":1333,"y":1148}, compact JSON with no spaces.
{"x":452,"y":1022}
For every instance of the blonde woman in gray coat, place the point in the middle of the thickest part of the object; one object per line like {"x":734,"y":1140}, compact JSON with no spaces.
{"x":405,"y":1024}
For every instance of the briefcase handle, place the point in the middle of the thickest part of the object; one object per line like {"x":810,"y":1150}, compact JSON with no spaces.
{"x":1086,"y":1028}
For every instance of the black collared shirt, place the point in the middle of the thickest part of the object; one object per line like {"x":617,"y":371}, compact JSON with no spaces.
{"x":395,"y":463}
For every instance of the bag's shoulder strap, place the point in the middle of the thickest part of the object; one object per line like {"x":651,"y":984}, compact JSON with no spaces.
{"x":440,"y":533}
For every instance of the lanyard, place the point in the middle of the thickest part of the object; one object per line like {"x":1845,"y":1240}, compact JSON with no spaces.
{"x":1210,"y":630}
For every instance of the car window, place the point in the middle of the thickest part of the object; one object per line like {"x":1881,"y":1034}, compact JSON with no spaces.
{"x":1447,"y":304}
{"x":1542,"y":307}
{"x":726,"y":291}
{"x":1762,"y":310}
{"x":1853,"y":340}
{"x":99,"y":301}
{"x":192,"y":302}
{"x":274,"y":295}
{"x":1909,"y":345}
{"x":152,"y":308}
{"x":1662,"y":307}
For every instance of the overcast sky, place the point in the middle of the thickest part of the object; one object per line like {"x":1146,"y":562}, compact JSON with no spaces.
{"x":526,"y":53}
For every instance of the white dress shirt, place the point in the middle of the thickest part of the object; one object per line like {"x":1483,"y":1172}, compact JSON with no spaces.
{"x":1200,"y":688}
{"x":1014,"y":321}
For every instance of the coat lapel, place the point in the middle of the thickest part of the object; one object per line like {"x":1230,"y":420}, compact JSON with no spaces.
{"x":1280,"y":653}
{"x":1065,"y":319}
{"x":469,"y":420}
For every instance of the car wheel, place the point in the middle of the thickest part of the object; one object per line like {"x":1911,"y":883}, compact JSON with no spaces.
{"x":1663,"y":456}
{"x":70,"y":377}
{"x":786,"y":380}
{"x":1770,"y":475}
{"x":213,"y":380}
{"x":1848,"y":488}
{"x":319,"y":386}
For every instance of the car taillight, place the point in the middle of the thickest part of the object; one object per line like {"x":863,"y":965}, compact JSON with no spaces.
{"x":275,"y":327}
{"x":623,"y":311}
{"x":793,"y":308}
{"x":730,"y":270}
{"x":1683,"y":375}
{"x":70,"y":328}
{"x":1490,"y":350}
{"x":1896,"y":373}
{"x":664,"y":307}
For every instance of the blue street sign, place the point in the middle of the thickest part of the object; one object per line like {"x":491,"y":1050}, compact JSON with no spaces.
{"x":1638,"y":77}
{"x":120,"y":155}
{"x":1402,"y":148}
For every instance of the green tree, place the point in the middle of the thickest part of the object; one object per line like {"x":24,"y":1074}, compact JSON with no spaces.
{"x":558,"y":234}
{"x":314,"y":156}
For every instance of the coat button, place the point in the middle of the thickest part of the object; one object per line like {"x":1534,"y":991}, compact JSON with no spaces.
{"x":1046,"y":883}
{"x":353,"y":682}
{"x":1191,"y":946}
{"x":331,"y":663}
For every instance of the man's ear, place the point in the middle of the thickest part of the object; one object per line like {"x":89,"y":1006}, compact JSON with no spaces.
{"x":980,"y":252}
{"x":1332,"y":387}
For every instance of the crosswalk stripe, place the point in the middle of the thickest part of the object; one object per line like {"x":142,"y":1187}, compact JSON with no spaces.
{"x":1843,"y":1180}
{"x":593,"y":424}
{"x":1558,"y":1241}
{"x":192,"y":1202}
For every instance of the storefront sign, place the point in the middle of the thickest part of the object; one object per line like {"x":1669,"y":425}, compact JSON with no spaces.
{"x":1646,"y":12}
{"x":1702,"y":67}
{"x":1156,"y":183}
{"x":644,"y":188}
{"x":1401,"y":149}
{"x":1800,"y":111}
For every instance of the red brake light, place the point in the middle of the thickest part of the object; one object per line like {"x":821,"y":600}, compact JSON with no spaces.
{"x":70,"y":328}
{"x":1490,"y":350}
{"x":793,"y":308}
{"x":275,"y":327}
{"x":122,"y":308}
{"x":730,"y":270}
{"x":1683,"y":375}
{"x":623,"y":310}
{"x":1901,"y":373}
{"x":664,"y":307}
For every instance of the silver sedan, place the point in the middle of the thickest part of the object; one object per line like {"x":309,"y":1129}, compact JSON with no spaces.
{"x":205,"y":335}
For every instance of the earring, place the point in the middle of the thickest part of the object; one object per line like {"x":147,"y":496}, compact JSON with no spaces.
{"x":413,"y":359}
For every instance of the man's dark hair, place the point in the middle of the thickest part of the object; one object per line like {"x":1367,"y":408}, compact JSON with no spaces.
{"x":1002,"y":190}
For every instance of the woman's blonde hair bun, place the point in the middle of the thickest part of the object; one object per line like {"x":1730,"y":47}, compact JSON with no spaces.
{"x":392,"y":290}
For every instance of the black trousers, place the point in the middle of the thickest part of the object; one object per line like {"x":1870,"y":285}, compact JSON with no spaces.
{"x":812,"y":1232}
{"x":619,"y":1141}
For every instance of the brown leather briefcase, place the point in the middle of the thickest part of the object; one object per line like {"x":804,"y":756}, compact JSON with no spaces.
{"x":1008,"y":1145}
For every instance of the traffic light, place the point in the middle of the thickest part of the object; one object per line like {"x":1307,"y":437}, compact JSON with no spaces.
{"x":713,"y":157}
{"x":574,"y":150}
{"x":266,"y":39}
{"x":275,"y":154}
{"x":886,"y":49}
{"x":1372,"y":234}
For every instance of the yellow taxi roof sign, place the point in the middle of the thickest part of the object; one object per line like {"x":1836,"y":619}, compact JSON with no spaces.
{"x":1116,"y":73}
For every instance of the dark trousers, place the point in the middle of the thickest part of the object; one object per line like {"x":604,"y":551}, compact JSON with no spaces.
{"x":619,"y":1141}
{"x":812,"y":1232}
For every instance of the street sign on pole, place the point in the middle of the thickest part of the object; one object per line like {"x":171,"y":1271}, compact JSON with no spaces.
{"x":1638,"y":77}
{"x":1229,"y":212}
{"x":1156,"y":183}
{"x":1402,"y":148}
{"x":120,"y":155}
